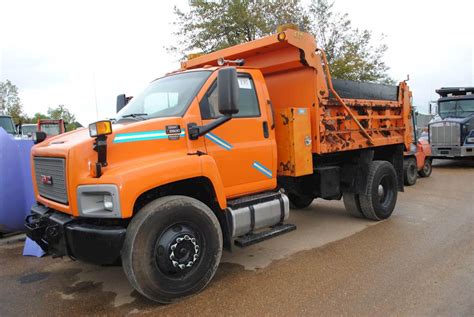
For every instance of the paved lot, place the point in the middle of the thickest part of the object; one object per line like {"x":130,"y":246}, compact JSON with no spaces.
{"x":419,"y":262}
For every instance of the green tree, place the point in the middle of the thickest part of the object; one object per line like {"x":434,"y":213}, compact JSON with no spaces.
{"x":349,"y":50}
{"x":37,"y":116}
{"x":213,"y":25}
{"x":10,"y":101}
{"x":209,"y":25}
{"x":61,"y":112}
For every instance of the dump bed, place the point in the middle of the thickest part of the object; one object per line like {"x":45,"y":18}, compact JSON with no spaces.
{"x":348,"y":116}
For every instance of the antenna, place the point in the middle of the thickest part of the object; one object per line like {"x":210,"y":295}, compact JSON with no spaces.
{"x":95,"y":97}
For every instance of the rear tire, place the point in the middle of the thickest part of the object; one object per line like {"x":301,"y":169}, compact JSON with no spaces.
{"x":427,"y":168}
{"x":172,"y":248}
{"x":409,"y":171}
{"x":300,"y":202}
{"x":381,"y":194}
{"x":352,"y":204}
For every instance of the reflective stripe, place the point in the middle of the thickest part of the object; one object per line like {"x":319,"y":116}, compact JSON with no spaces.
{"x":214,"y":138}
{"x":259,"y":167}
{"x":143,"y":136}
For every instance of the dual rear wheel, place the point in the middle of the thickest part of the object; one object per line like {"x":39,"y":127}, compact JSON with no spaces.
{"x":380,"y":197}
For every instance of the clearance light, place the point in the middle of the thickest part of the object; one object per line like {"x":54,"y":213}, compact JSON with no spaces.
{"x":281,"y":36}
{"x":100,"y":128}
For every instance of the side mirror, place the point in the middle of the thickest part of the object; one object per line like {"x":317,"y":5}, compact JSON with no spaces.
{"x":122,"y":101}
{"x":228,"y":86}
{"x":39,"y":137}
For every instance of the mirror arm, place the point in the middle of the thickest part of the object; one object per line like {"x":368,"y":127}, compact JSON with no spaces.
{"x":196,"y":131}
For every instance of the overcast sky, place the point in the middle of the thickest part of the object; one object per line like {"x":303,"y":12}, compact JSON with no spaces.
{"x":84,"y":53}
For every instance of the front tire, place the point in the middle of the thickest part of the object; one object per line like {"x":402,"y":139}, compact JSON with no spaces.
{"x":410,"y":171}
{"x":427,"y":168}
{"x":381,"y":194}
{"x":172,"y":248}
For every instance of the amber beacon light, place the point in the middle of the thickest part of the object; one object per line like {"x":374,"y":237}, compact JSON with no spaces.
{"x":100,"y":128}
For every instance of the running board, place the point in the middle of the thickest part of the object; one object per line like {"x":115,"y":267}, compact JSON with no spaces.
{"x":253,"y":238}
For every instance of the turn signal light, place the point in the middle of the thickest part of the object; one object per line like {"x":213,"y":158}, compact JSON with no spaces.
{"x":100,"y":128}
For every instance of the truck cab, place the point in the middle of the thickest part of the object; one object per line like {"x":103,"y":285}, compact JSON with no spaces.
{"x":6,"y":122}
{"x":51,"y":127}
{"x":451,"y":131}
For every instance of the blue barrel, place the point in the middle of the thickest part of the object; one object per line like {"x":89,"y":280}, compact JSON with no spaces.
{"x":16,"y":187}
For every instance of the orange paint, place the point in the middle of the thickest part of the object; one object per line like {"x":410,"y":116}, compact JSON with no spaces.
{"x":238,"y":158}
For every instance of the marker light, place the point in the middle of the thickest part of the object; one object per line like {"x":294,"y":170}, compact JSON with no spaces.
{"x":281,"y":36}
{"x":100,"y":128}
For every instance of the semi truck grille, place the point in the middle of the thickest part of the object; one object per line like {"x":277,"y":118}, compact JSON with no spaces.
{"x":445,"y":133}
{"x":51,"y":178}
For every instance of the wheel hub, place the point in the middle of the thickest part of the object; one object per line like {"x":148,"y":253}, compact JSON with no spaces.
{"x":184,"y":252}
{"x":381,"y":191}
{"x":177,"y":250}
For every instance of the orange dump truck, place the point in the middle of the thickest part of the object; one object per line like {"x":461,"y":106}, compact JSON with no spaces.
{"x":211,"y":156}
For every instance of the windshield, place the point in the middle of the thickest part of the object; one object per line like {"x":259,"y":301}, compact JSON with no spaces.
{"x":166,"y":97}
{"x":28,"y":129}
{"x":50,"y":128}
{"x":456,"y":108}
{"x":7,"y":124}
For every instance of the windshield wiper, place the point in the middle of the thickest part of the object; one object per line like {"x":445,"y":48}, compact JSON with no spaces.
{"x":135,"y":115}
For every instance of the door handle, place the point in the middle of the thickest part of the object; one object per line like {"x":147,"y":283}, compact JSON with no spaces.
{"x":266,"y":134}
{"x":273,"y":113}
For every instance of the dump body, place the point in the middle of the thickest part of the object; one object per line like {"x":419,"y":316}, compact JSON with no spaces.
{"x":365,"y":115}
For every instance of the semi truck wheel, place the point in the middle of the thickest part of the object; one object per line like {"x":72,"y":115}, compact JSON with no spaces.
{"x":352,"y":204}
{"x":427,"y":168}
{"x":381,"y":195}
{"x":410,"y":171}
{"x":172,"y":248}
{"x":300,"y":202}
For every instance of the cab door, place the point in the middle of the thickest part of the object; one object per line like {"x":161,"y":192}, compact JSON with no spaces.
{"x":244,"y":148}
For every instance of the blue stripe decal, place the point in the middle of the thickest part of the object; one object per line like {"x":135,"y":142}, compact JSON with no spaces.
{"x":144,"y":136}
{"x":265,"y":171}
{"x":214,"y":138}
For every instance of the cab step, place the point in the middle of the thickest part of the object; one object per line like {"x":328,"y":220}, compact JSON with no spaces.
{"x":253,"y":238}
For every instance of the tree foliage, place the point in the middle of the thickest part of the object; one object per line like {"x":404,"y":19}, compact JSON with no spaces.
{"x":61,"y":112}
{"x":10,"y":101}
{"x":349,"y":50}
{"x":209,"y":25}
{"x":213,"y":25}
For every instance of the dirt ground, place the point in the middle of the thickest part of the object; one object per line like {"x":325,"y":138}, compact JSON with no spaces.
{"x":419,"y":262}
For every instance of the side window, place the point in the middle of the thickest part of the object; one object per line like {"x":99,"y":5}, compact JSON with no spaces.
{"x":248,"y":102}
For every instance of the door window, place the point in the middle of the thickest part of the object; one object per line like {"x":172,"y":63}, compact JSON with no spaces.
{"x":248,"y":102}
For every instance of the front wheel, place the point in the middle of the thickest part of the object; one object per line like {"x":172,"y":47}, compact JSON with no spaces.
{"x":427,"y":168}
{"x":410,"y":171}
{"x":379,"y":200}
{"x":172,"y":248}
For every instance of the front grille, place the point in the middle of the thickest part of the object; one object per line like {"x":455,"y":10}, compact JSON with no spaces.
{"x":54,"y":169}
{"x":445,"y":133}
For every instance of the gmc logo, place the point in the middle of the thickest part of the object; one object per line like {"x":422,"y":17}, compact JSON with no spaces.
{"x":47,"y":180}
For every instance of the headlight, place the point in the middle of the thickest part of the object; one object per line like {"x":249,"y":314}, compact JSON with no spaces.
{"x":100,"y":201}
{"x":100,"y":128}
